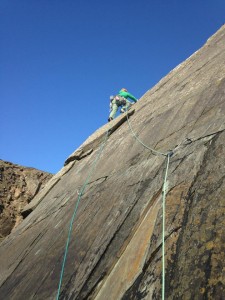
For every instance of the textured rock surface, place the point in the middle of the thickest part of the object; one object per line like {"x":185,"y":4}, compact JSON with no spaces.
{"x":115,"y":250}
{"x":18,"y":186}
{"x":95,"y":140}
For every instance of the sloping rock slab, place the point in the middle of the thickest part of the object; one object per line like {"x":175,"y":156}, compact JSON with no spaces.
{"x":95,"y":139}
{"x":122,"y":205}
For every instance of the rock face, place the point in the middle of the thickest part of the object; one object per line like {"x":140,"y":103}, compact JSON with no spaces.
{"x":18,"y":186}
{"x":113,"y":189}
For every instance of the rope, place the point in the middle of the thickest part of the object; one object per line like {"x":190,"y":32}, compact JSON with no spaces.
{"x":75,"y":212}
{"x":164,"y":192}
{"x":137,"y":138}
{"x":168,"y":155}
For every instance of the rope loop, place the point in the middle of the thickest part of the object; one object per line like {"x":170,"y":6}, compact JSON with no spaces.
{"x":165,"y":188}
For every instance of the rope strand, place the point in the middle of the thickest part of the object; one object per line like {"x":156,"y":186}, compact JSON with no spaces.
{"x":75,"y":212}
{"x":164,"y":192}
{"x":137,"y":138}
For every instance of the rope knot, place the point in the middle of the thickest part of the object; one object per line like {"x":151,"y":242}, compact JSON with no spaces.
{"x":170,"y":153}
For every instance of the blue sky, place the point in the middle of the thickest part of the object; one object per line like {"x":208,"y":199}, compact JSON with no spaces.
{"x":62,"y":59}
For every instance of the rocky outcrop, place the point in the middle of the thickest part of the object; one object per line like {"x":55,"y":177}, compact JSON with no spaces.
{"x":115,"y":194}
{"x":18,"y":186}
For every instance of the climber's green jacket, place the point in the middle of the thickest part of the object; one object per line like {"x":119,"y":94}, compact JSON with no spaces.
{"x":126,"y":95}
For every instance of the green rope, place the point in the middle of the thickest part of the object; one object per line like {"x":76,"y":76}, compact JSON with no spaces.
{"x":137,"y":138}
{"x":75,"y":212}
{"x":164,"y":192}
{"x":168,"y":155}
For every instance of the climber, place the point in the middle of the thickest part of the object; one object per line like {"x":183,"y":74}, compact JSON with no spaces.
{"x":120,"y":100}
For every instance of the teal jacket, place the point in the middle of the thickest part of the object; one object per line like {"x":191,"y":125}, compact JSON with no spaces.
{"x":127,"y":95}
